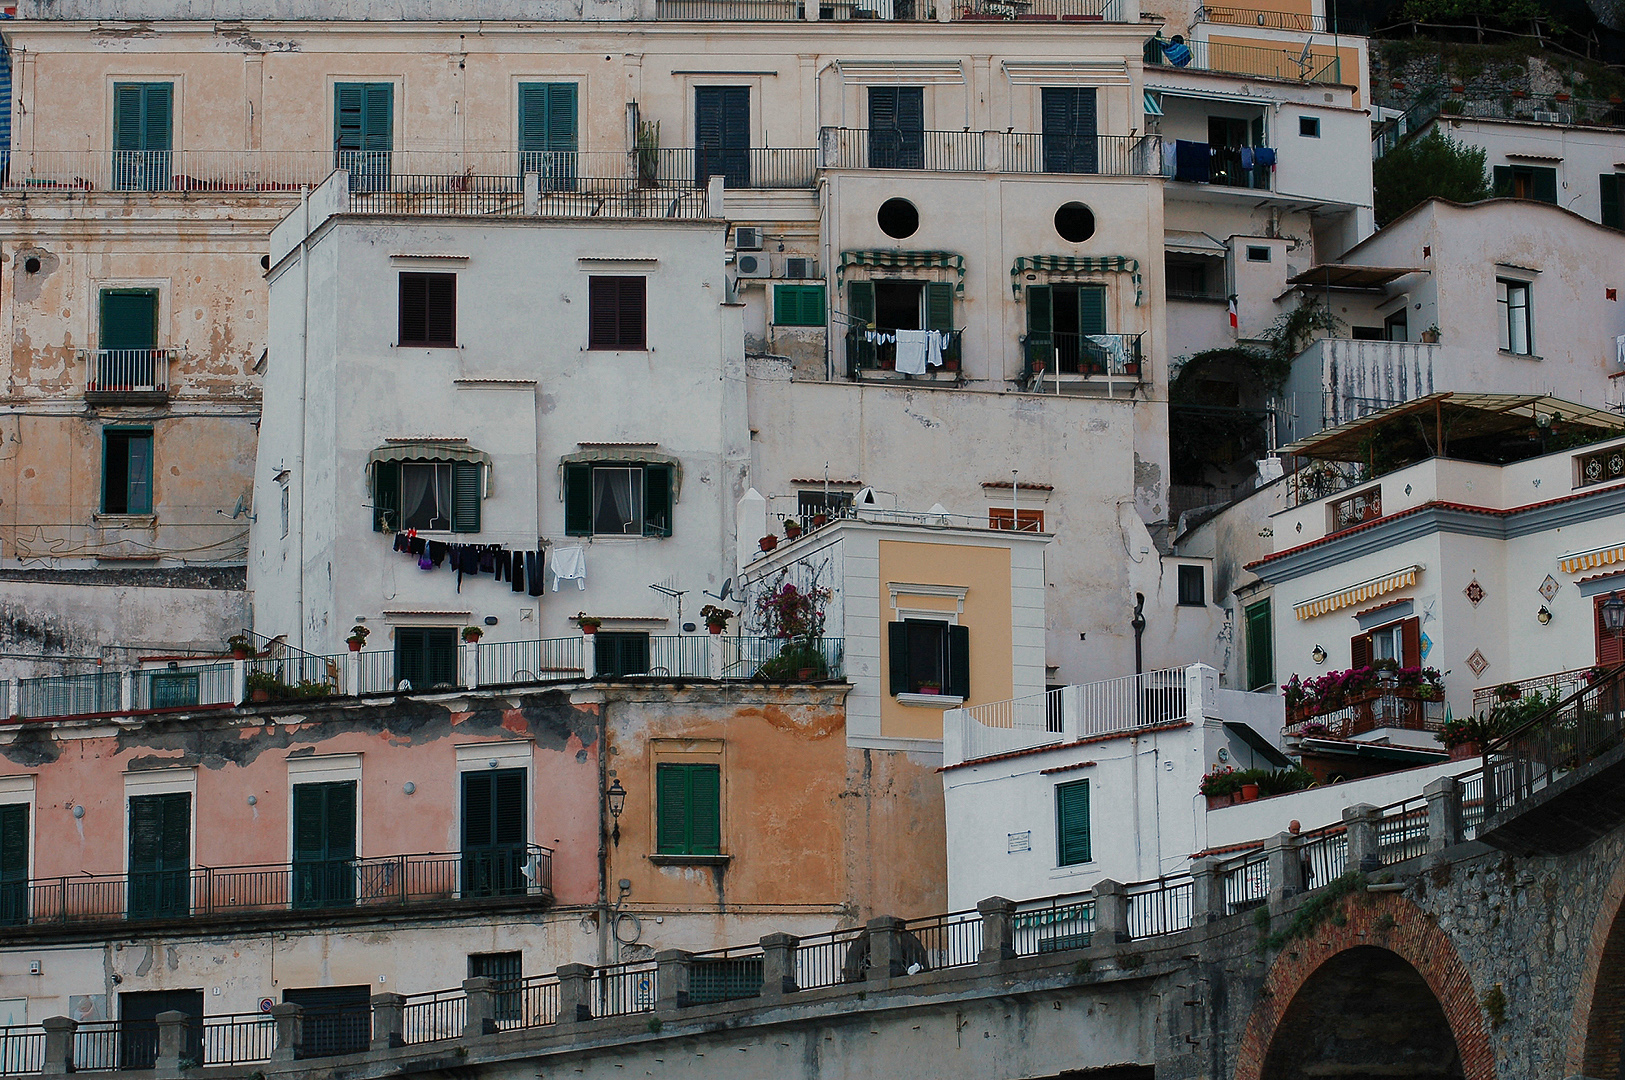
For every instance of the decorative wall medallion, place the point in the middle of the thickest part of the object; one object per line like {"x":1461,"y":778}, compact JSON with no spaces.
{"x":1427,"y":646}
{"x":1549,"y":587}
{"x":1477,"y":662}
{"x":1474,"y":592}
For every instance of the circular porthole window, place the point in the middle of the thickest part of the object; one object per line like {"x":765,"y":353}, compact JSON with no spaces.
{"x":898,"y":218}
{"x":31,"y":264}
{"x":1075,"y":222}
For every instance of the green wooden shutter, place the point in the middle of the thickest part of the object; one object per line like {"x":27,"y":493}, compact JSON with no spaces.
{"x":129,"y":101}
{"x":939,"y":314}
{"x":309,"y":822}
{"x":578,"y":500}
{"x":409,"y":647}
{"x":364,"y":116}
{"x":1040,"y":326}
{"x":157,"y":116}
{"x":657,"y":502}
{"x":1502,"y":181}
{"x":1091,"y":309}
{"x":1260,"y":646}
{"x":477,"y":824}
{"x":547,"y":117}
{"x":958,"y":662}
{"x":439,"y":656}
{"x":897,"y":653}
{"x":129,"y":319}
{"x":798,"y":305}
{"x":386,"y":496}
{"x":1543,"y":185}
{"x":467,"y":491}
{"x":13,"y":864}
{"x":704,"y":809}
{"x":1613,"y":215}
{"x":1072,"y":823}
{"x":508,"y":807}
{"x":671,"y":803}
{"x":860,"y":301}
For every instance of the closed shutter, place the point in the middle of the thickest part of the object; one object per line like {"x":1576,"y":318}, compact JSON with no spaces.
{"x":467,"y":491}
{"x":911,"y":126}
{"x":1410,"y":643}
{"x":671,"y":795}
{"x":1040,"y":327}
{"x":440,"y":304}
{"x":426,"y":656}
{"x":616,"y":312}
{"x":860,"y":309}
{"x":409,"y":654}
{"x":508,"y":807}
{"x":129,"y":319}
{"x":413,"y":322}
{"x":657,"y":501}
{"x":129,"y":109}
{"x":323,"y":843}
{"x":1502,"y":175}
{"x":140,"y":476}
{"x":958,"y":681}
{"x":1610,"y":651}
{"x":798,"y":305}
{"x":578,"y":500}
{"x":1543,"y":185}
{"x":477,"y":807}
{"x":1091,"y":309}
{"x":1260,"y":646}
{"x":364,"y":117}
{"x":386,"y":496}
{"x":632,"y":312}
{"x":689,"y":808}
{"x":896,"y":127}
{"x":1613,"y":207}
{"x":1360,"y":651}
{"x":547,"y":117}
{"x":1068,"y":118}
{"x":160,"y":854}
{"x":13,"y":864}
{"x":143,"y":119}
{"x":898,"y":680}
{"x":1072,"y":823}
{"x":722,"y":134}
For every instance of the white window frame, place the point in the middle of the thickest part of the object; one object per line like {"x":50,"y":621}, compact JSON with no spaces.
{"x":1507,"y":326}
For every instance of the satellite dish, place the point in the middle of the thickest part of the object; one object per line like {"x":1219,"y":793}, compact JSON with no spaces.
{"x":727,"y":591}
{"x":1303,"y":57}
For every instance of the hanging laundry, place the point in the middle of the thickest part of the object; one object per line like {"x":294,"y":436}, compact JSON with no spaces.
{"x":1177,"y":52}
{"x":569,"y":564}
{"x":517,"y":571}
{"x":502,"y":567}
{"x":424,"y":562}
{"x":437,"y":551}
{"x":533,"y":569}
{"x":874,"y":337}
{"x":1192,"y":161}
{"x":401,"y":542}
{"x":1246,"y":157}
{"x":488,"y":560}
{"x":417,"y":545}
{"x":935,"y":342}
{"x":1170,"y":160}
{"x":911,"y":351}
{"x":1264,"y":156}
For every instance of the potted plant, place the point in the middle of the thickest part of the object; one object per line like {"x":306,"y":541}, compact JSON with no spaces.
{"x":260,"y":685}
{"x":792,"y":528}
{"x":929,"y":687}
{"x":241,"y":646}
{"x":820,"y":520}
{"x":472,"y":635}
{"x":768,"y":542}
{"x":716,"y":618}
{"x":589,"y":623}
{"x":1249,"y":791}
{"x":1508,"y":692}
{"x":1430,"y":336}
{"x":1220,"y":787}
{"x":357,"y":638}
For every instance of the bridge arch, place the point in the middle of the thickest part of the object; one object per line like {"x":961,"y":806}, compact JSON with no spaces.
{"x":1387,"y":973}
{"x":1597,"y":1042}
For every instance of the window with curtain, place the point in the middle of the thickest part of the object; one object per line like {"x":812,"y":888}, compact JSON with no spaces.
{"x":618,"y":499}
{"x":617,"y":502}
{"x":1516,"y":325}
{"x":427,"y":495}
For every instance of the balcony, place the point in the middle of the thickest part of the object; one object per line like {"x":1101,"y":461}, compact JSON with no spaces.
{"x":1111,"y":355}
{"x":1344,"y":704}
{"x":1270,"y":20}
{"x":1294,"y":64}
{"x":1557,"y":685}
{"x":1108,"y":707}
{"x":991,"y":151}
{"x":127,"y":376}
{"x":438,"y":881}
{"x":916,"y":11}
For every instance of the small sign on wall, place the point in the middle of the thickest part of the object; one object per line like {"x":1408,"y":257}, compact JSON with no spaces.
{"x":1018,"y":841}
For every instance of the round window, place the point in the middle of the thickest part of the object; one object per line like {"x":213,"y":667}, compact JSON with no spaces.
{"x":31,"y":264}
{"x":898,"y":218}
{"x":1075,"y":222}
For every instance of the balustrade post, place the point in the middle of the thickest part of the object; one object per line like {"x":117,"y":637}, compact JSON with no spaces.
{"x":480,"y":1017}
{"x":779,"y":964}
{"x":714,"y":206}
{"x":885,"y":952}
{"x":1111,"y":913}
{"x":239,"y":681}
{"x":575,"y":993}
{"x":59,"y":1044}
{"x":352,"y":674}
{"x":1207,"y":892}
{"x":1444,"y":813}
{"x":469,"y":655}
{"x":400,"y":876}
{"x":998,"y":930}
{"x":1072,"y":712}
{"x":1284,"y":863}
{"x":533,"y":194}
{"x":1365,"y":855}
{"x":993,"y":151}
{"x":671,"y":979}
{"x":713,"y":648}
{"x":172,"y":1027}
{"x":589,"y":657}
{"x":388,"y":1021}
{"x":290,"y":1030}
{"x":126,"y":691}
{"x":14,"y":695}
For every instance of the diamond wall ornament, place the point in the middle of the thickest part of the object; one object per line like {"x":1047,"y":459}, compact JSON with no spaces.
{"x":1477,"y":662}
{"x":1427,"y":645}
{"x":1549,"y":587}
{"x":1474,"y":592}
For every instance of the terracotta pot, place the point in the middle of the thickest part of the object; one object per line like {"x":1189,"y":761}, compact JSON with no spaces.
{"x":259,"y":694}
{"x":589,"y":630}
{"x":239,"y":654}
{"x":1463,"y":751}
{"x":768,"y":542}
{"x":1216,"y":801}
{"x":792,"y":531}
{"x":716,"y":628}
{"x":471,"y":640}
{"x":1249,"y":792}
{"x":355,"y":646}
{"x":820,"y":520}
{"x":806,"y":674}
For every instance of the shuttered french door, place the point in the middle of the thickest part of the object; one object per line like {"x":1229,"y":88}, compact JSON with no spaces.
{"x":324,"y":844}
{"x":364,"y":133}
{"x":548,"y":133}
{"x":722,"y":135}
{"x":896,"y":127}
{"x":494,"y":831}
{"x":160,"y":855}
{"x":1070,"y":138}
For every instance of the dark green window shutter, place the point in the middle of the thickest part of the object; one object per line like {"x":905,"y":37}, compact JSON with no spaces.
{"x":657,"y":501}
{"x":722,"y":134}
{"x":160,"y":854}
{"x":386,"y":496}
{"x":129,"y":319}
{"x":426,"y":656}
{"x":897,"y":654}
{"x":705,"y":809}
{"x":860,"y":301}
{"x":13,"y":864}
{"x":939,"y":314}
{"x":143,"y":116}
{"x":1072,"y":823}
{"x":1503,"y":181}
{"x":958,"y":662}
{"x":1091,"y":309}
{"x":1040,"y":326}
{"x":508,"y":807}
{"x":798,"y":305}
{"x":1260,"y":645}
{"x":1613,"y":215}
{"x":1543,"y":184}
{"x":478,"y":827}
{"x":671,"y":794}
{"x":547,"y":117}
{"x":364,"y":116}
{"x":467,"y":490}
{"x":409,"y":654}
{"x":578,"y":500}
{"x":1068,"y":120}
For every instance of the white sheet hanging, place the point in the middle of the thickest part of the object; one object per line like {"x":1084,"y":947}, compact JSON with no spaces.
{"x":569,"y":564}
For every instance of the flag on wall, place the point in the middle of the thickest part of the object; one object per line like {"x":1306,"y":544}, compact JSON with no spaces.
{"x":1234,"y":324}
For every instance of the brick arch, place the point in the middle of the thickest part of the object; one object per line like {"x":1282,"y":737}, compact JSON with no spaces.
{"x":1413,"y":937}
{"x":1595,"y":1036}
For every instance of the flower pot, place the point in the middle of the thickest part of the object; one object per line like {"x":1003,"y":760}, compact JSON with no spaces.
{"x":355,"y":646}
{"x":1430,"y":337}
{"x":1560,"y":97}
{"x":1216,"y":801}
{"x":930,"y":690}
{"x":239,"y":654}
{"x":589,"y":630}
{"x":470,"y":639}
{"x":820,"y":520}
{"x":716,"y":628}
{"x":259,"y":694}
{"x":1249,"y":792}
{"x":1465,"y":750}
{"x":769,"y":542}
{"x":806,"y":675}
{"x":792,"y":531}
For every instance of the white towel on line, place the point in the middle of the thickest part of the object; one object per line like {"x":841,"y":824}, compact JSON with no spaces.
{"x":569,"y":564}
{"x":911,"y":350}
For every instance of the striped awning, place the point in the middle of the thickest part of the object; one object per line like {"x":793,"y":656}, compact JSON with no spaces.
{"x":1077,"y":264}
{"x":1590,"y":560}
{"x":1153,"y":103}
{"x":1357,"y":594}
{"x":907,"y":260}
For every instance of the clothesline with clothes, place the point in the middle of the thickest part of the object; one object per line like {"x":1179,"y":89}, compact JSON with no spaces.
{"x":1193,"y":161}
{"x":522,"y":570}
{"x":916,"y":349}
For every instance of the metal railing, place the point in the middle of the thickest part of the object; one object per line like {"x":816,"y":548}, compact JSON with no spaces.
{"x":1316,"y":65}
{"x":430,"y":1017}
{"x":1403,"y":831}
{"x":1273,"y":20}
{"x":1246,"y":882}
{"x":1074,"y":712}
{"x":1102,"y":155}
{"x":931,"y":151}
{"x":874,"y":348}
{"x":1374,"y":709}
{"x":840,"y":956}
{"x":1325,"y":854}
{"x":730,"y":974}
{"x":1555,"y":744}
{"x":538,"y":1002}
{"x":679,"y":656}
{"x":942,"y":941}
{"x":115,"y":1044}
{"x":1472,"y":803}
{"x":246,"y":171}
{"x":184,"y":687}
{"x":625,"y":989}
{"x":238,"y":1038}
{"x":756,"y":167}
{"x":504,"y":196}
{"x":435,"y":879}
{"x":22,"y":1050}
{"x":1323,"y":479}
{"x":502,"y":662}
{"x":1083,"y":354}
{"x":1054,"y":924}
{"x":1040,"y":10}
{"x":127,"y":371}
{"x":99,"y":692}
{"x":1559,"y":684}
{"x":1159,"y":907}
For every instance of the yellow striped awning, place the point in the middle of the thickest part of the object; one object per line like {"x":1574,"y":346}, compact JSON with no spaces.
{"x":1589,"y":560}
{"x":1357,"y":594}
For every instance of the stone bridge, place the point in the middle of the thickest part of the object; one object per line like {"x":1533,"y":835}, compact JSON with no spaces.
{"x":1432,"y":955}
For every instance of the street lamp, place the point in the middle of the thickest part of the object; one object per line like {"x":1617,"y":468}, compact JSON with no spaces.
{"x":1613,"y":614}
{"x":616,"y":798}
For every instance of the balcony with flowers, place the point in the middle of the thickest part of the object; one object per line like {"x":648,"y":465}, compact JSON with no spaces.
{"x":1345,"y":704}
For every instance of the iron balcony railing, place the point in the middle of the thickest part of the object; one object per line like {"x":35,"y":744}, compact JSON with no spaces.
{"x":794,"y":10}
{"x":1106,"y":707}
{"x":1560,"y":741}
{"x":1273,"y":20}
{"x":1028,"y":11}
{"x":135,"y":372}
{"x":752,"y":167}
{"x":1102,"y":155}
{"x":1295,"y":63}
{"x":1083,"y":354}
{"x":507,"y":196}
{"x":1557,"y":685}
{"x":930,"y":151}
{"x":874,"y":348}
{"x":999,"y":151}
{"x":435,"y":879}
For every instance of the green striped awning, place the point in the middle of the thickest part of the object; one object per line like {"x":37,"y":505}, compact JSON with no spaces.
{"x":908,"y":260}
{"x":1078,"y":264}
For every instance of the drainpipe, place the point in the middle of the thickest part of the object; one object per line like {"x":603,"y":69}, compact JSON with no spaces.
{"x":603,"y":835}
{"x":304,"y":386}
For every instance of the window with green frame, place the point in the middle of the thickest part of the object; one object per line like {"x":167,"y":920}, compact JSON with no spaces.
{"x":428,"y":495}
{"x":1072,"y":823}
{"x":798,"y":305}
{"x":127,"y":471}
{"x":688,"y":800}
{"x":1260,"y":645}
{"x":619,"y":498}
{"x":1612,"y":190}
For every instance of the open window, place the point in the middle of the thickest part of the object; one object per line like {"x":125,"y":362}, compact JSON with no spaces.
{"x":430,"y":496}
{"x":881,"y":307}
{"x":614,"y":497}
{"x":1400,"y":642}
{"x":929,"y":657}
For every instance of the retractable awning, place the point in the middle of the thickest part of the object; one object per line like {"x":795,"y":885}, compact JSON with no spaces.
{"x":1077,"y":264}
{"x":904,"y":260}
{"x":640,"y":455}
{"x":1357,"y":594}
{"x":1577,"y":561}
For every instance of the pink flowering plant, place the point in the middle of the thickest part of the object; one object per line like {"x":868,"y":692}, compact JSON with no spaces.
{"x":1339,"y":689}
{"x":795,"y":616}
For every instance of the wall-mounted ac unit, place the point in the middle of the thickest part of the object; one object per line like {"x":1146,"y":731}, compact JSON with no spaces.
{"x":752,"y":266}
{"x":747,"y":238}
{"x":795,"y":266}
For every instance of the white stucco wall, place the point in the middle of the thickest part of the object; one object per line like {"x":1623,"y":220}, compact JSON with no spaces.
{"x":1579,"y":154}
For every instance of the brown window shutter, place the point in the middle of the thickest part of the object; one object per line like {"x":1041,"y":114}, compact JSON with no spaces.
{"x":1410,"y":634}
{"x":414,"y":309}
{"x":1360,"y":651}
{"x":603,"y":312}
{"x":440,"y":322}
{"x":633,"y":313}
{"x":1609,"y":651}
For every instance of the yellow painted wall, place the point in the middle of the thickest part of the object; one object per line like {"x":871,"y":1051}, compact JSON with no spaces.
{"x":1278,"y":60}
{"x":984,"y":573}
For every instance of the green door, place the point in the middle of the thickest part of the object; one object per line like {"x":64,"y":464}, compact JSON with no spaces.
{"x":364,"y":132}
{"x":324,"y":844}
{"x":1260,"y":645}
{"x":13,"y":864}
{"x":548,"y":133}
{"x":143,"y":114}
{"x":160,"y":856}
{"x":494,"y":832}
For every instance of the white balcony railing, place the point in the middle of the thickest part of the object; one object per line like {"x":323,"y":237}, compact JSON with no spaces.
{"x":127,"y":371}
{"x":1070,"y":713}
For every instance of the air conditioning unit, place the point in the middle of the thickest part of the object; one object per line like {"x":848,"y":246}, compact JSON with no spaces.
{"x":753,"y":266}
{"x":795,"y":266}
{"x":747,"y":238}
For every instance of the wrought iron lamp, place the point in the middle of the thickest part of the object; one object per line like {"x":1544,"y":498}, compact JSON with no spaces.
{"x":616,"y":798}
